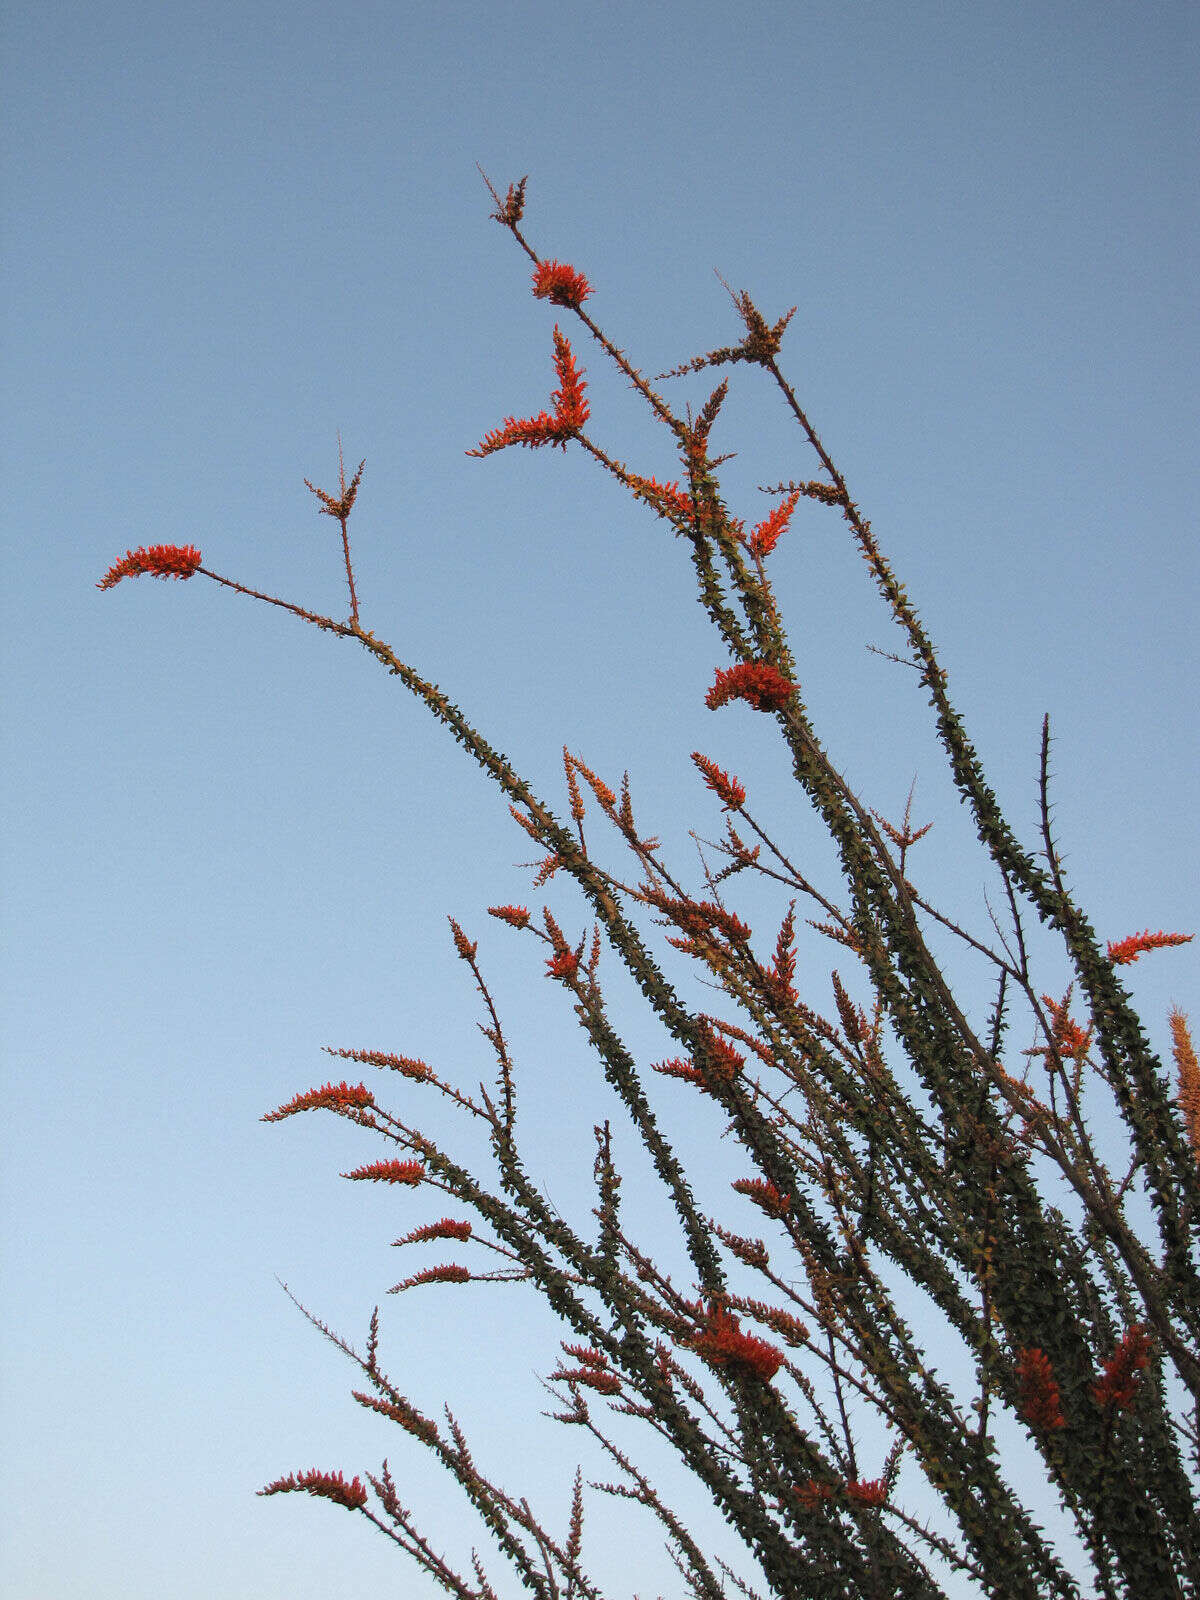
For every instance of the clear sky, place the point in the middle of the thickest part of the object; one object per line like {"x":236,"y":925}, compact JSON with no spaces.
{"x":228,"y":840}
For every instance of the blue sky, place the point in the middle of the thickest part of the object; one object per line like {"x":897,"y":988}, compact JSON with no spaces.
{"x":229,"y":840}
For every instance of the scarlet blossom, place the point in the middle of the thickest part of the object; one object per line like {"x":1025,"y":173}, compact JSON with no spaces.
{"x":1070,"y":1039}
{"x":517,"y":916}
{"x":390,"y":1172}
{"x":699,"y":917}
{"x":329,"y":1485}
{"x":1118,"y":1383}
{"x":563,"y":965}
{"x":447,"y":1228}
{"x":560,"y":284}
{"x":783,"y":967}
{"x":726,"y":1062}
{"x":1039,"y":1402}
{"x":586,"y":1354}
{"x":444,"y":1274}
{"x":812,"y":1493}
{"x":1128,"y":950}
{"x":727,"y":789}
{"x":757,"y":682}
{"x":722,"y":1343}
{"x":593,"y":1377}
{"x":401,"y":1411}
{"x":160,"y":561}
{"x":330,"y":1096}
{"x":571,"y":410}
{"x":871,"y":1492}
{"x":677,"y":1068}
{"x":1188,"y":1069}
{"x":666,"y":498}
{"x":764,"y":1195}
{"x":767,"y":534}
{"x":407,"y":1066}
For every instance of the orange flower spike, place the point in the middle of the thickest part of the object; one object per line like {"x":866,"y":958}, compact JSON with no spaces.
{"x":764,"y":1195}
{"x":571,"y":410}
{"x":1069,"y":1038}
{"x":390,"y":1172}
{"x":767,"y":534}
{"x":872,"y":1492}
{"x":564,"y":965}
{"x":812,"y":1493}
{"x":678,"y":1068}
{"x":531,"y":431}
{"x":515,"y":916}
{"x":722,"y":1342}
{"x":159,"y":561}
{"x":783,"y":966}
{"x":1039,"y":1402}
{"x":757,"y":682}
{"x":1118,"y":1383}
{"x":725,"y":1062}
{"x":593,"y":1377}
{"x":586,"y":1354}
{"x":666,"y":498}
{"x":329,"y":1485}
{"x":450,"y":1273}
{"x":1184,"y":1052}
{"x":560,"y":284}
{"x":728,"y":789}
{"x":1124,"y":951}
{"x":576,"y":799}
{"x":330,"y":1097}
{"x":447,"y":1228}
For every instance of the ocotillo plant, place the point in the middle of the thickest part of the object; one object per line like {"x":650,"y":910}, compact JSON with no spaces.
{"x":950,"y":1164}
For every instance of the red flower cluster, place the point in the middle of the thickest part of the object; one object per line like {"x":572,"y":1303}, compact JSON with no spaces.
{"x":1040,"y":1404}
{"x":160,"y":561}
{"x":726,"y":1062}
{"x":812,"y":1493}
{"x":390,"y":1172}
{"x":700,"y":917}
{"x":727,"y":789}
{"x":592,"y":1371}
{"x":447,"y":1228}
{"x":1119,"y":1382}
{"x":1070,"y":1040}
{"x":1189,"y":1076}
{"x":446,"y":1274}
{"x":764,"y":1195}
{"x":560,"y":284}
{"x":571,"y":410}
{"x":666,"y":498}
{"x":870,"y":1492}
{"x":405,"y":1065}
{"x":1128,"y":950}
{"x":757,"y":682}
{"x":564,"y":965}
{"x":722,"y":1063}
{"x":767,"y":534}
{"x":330,"y":1096}
{"x":722,"y":1343}
{"x":329,"y":1485}
{"x":517,"y":916}
{"x":677,"y":1067}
